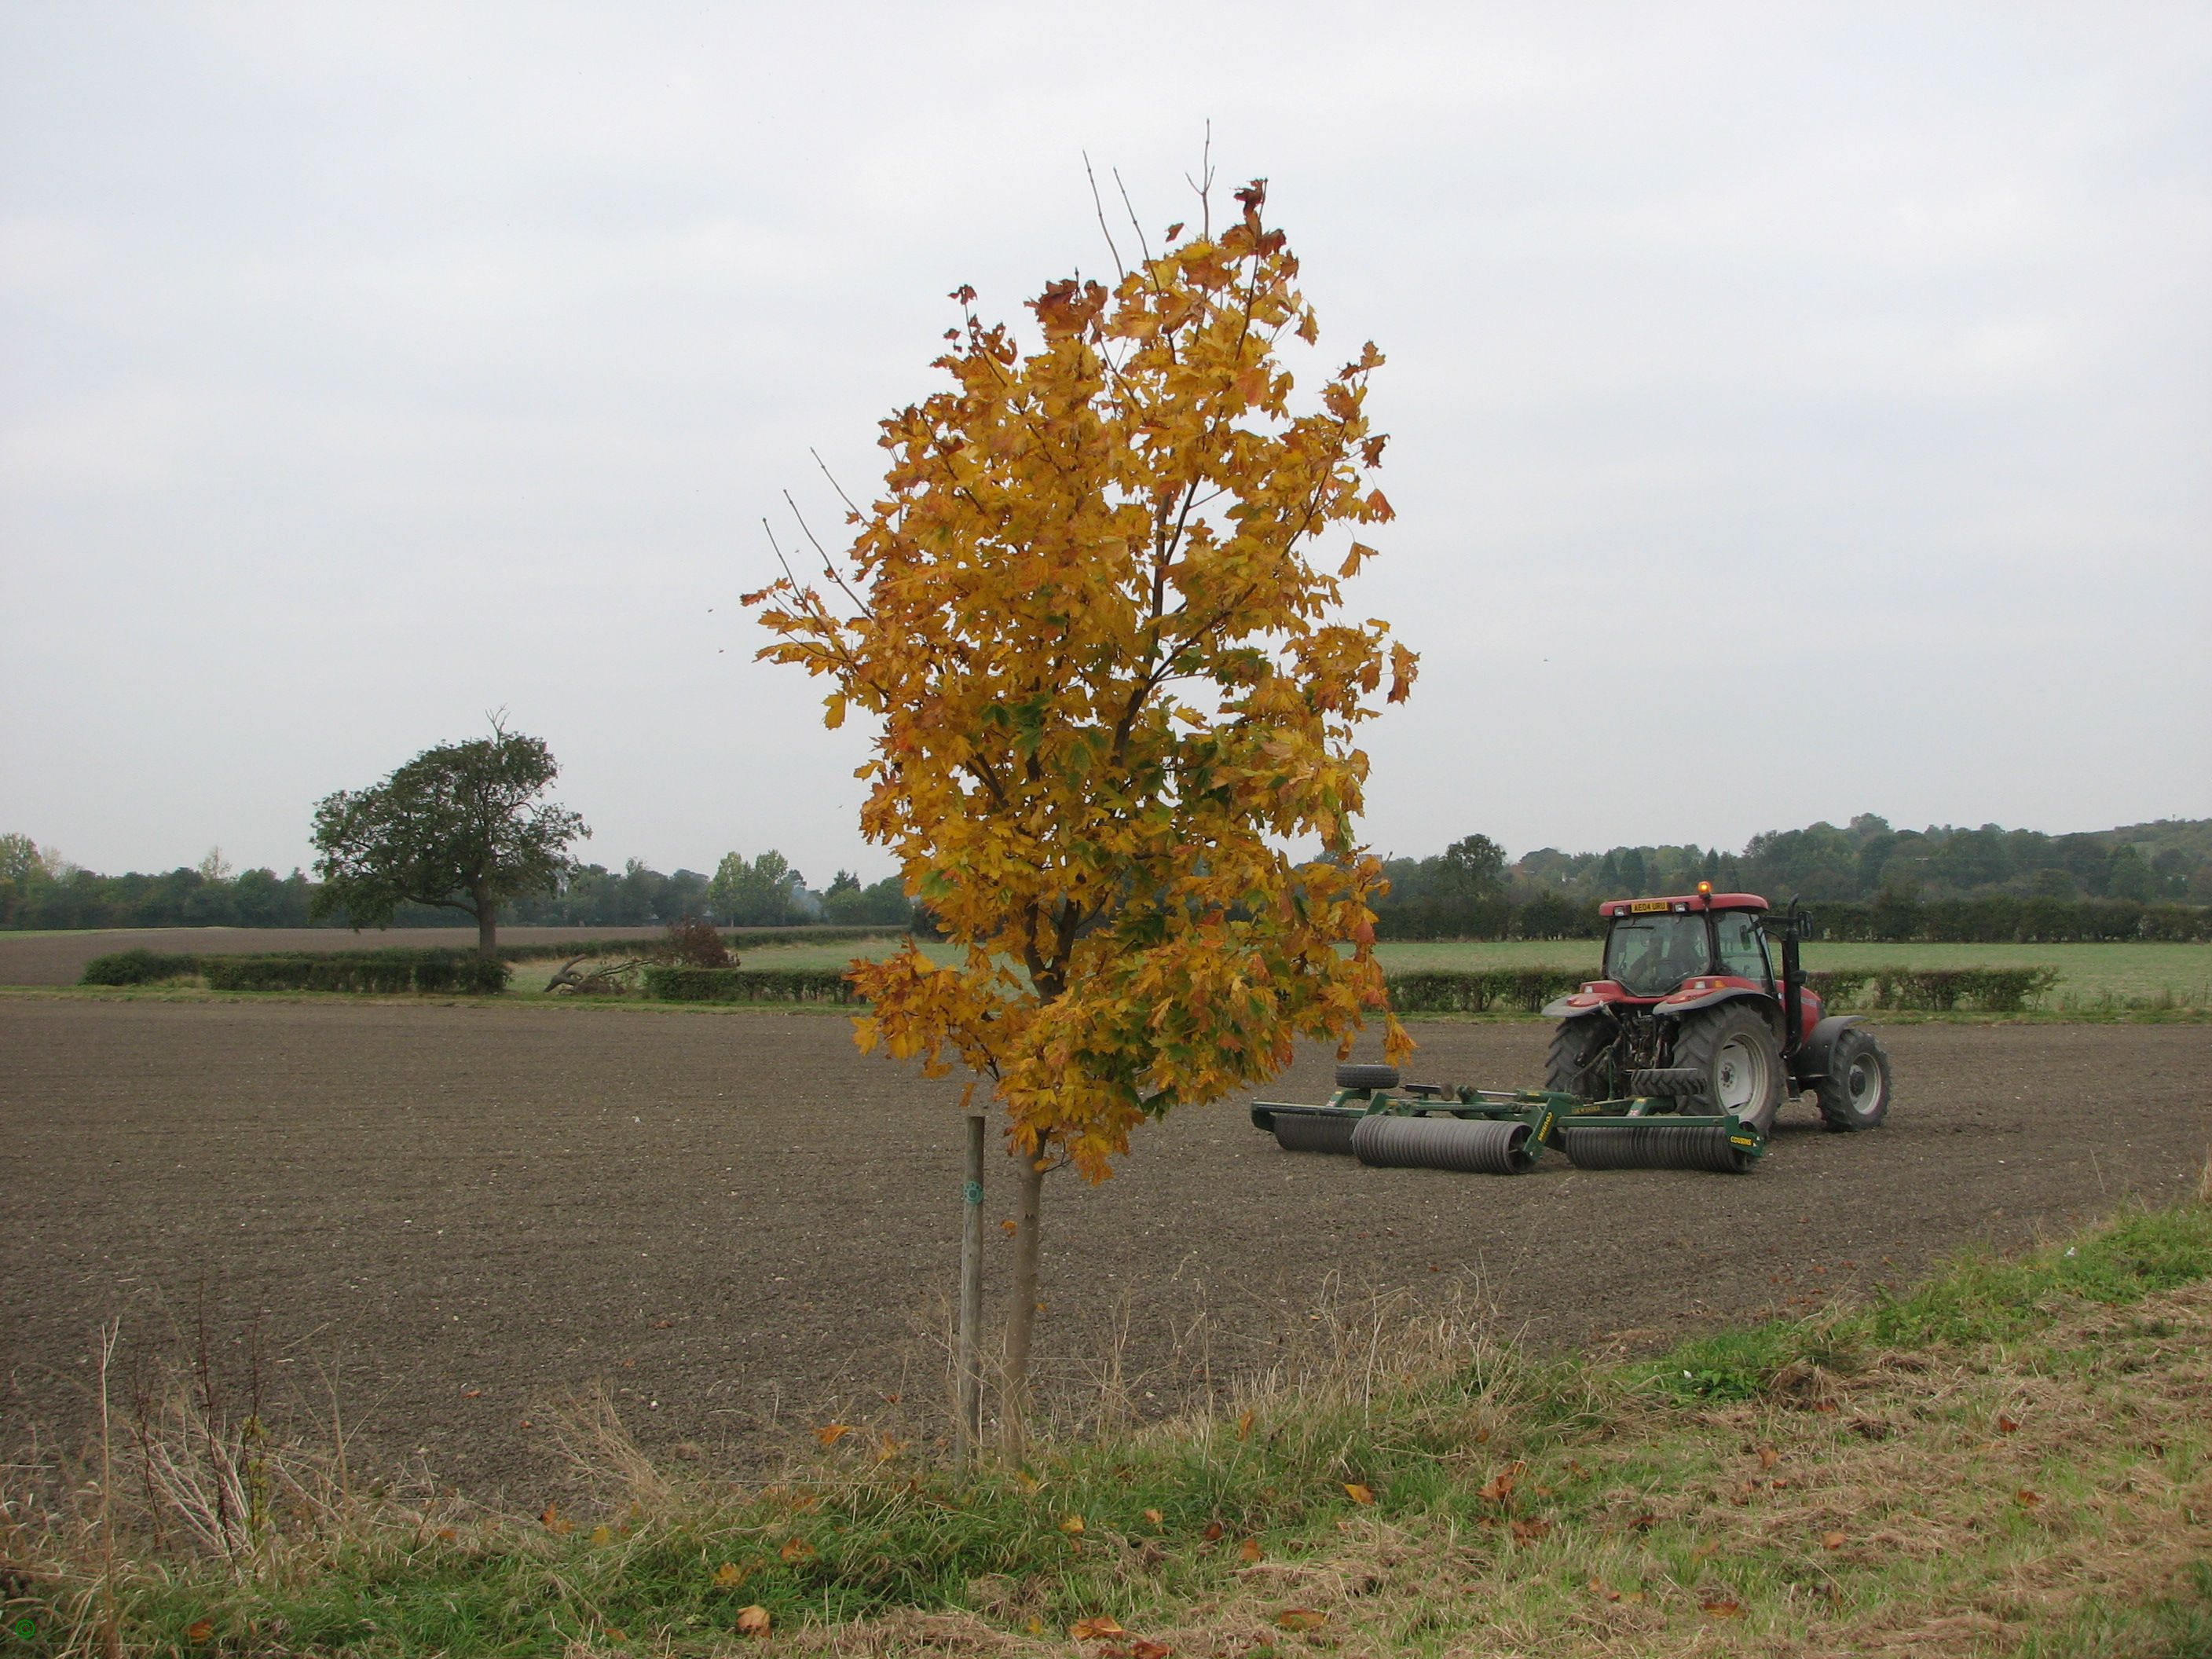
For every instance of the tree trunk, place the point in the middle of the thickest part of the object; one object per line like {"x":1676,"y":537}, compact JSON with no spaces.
{"x":487,"y":928}
{"x":1021,"y":1310}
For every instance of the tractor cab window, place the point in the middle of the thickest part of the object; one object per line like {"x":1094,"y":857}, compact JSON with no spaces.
{"x":1650,"y":955}
{"x":1742,"y":948}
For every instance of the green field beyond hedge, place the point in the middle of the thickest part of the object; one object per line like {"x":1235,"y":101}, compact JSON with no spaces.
{"x":2090,"y":976}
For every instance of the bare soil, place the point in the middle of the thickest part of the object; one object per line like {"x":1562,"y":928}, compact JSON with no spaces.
{"x":59,"y":958}
{"x":455,"y":1214}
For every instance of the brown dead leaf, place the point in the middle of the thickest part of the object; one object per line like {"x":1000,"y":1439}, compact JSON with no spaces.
{"x":2026,"y":1499}
{"x":200,"y":1630}
{"x":1009,"y":1228}
{"x":753,"y":1620}
{"x":1213,"y":1533}
{"x":1300,"y":1619}
{"x":1140,"y":1649}
{"x":2006,"y":1425}
{"x":1244,"y":1426}
{"x":1768,"y":1457}
{"x":1529,"y":1531}
{"x":1833,"y":1540}
{"x":1724,"y":1608}
{"x":1359,"y":1491}
{"x":1094,"y":1629}
{"x":1156,"y":1517}
{"x":1704,"y":1551}
{"x":556,"y":1523}
{"x":1073,"y":1523}
{"x":830,"y":1433}
{"x":1500,"y":1485}
{"x":796,"y":1549}
{"x":471,"y":1394}
{"x":1598,"y":1586}
{"x":1250,"y":1551}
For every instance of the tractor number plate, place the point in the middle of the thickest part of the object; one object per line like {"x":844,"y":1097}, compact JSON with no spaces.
{"x":1645,"y":907}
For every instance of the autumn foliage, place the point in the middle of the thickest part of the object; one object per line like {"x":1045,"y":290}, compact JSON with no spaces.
{"x":1113,"y":686}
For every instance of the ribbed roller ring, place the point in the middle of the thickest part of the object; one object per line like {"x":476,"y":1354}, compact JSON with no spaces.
{"x":1476,"y":1146}
{"x":1311,"y":1131}
{"x":1655,"y":1146}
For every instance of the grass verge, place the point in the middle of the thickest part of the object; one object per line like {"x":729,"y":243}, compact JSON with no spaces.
{"x":2015,"y":1456}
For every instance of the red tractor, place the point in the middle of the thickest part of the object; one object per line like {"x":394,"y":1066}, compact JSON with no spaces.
{"x":1689,"y":1006}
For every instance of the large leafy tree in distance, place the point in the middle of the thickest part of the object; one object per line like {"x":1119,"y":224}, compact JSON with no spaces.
{"x":460,"y":827}
{"x":1114,"y":691}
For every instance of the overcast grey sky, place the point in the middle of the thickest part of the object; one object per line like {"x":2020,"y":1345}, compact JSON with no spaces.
{"x":1798,"y":410}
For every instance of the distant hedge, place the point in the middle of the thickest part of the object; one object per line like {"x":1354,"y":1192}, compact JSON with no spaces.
{"x":1936,"y":990}
{"x":749,"y":985}
{"x":737,"y":939}
{"x":446,"y":972}
{"x":1477,"y":990}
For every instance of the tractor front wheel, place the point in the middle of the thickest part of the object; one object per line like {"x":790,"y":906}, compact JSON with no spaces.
{"x":1732,"y":1048}
{"x":1855,"y":1093}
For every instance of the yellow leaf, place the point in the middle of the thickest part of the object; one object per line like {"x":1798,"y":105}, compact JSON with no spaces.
{"x":556,"y":1523}
{"x":1250,"y":1551}
{"x":603,"y":1534}
{"x":796,"y":1549}
{"x":830,"y":1433}
{"x":1300,"y":1619}
{"x":1244,"y":1426}
{"x":1358,"y":1493}
{"x":1156,"y":1517}
{"x":1073,"y":1524}
{"x":729,"y":1576}
{"x":753,"y":1620}
{"x":834,"y":711}
{"x":1092,"y":1630}
{"x":1832,"y":1540}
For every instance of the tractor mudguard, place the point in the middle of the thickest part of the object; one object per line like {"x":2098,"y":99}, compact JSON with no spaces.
{"x":1576,"y":1007}
{"x":1810,"y":1062}
{"x":1678,"y":1005}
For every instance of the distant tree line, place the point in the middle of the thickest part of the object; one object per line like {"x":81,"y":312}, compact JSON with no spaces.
{"x":1867,"y":880}
{"x":39,"y":889}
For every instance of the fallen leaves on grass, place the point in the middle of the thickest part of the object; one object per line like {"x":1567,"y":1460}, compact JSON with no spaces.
{"x":729,"y":1576}
{"x":1073,"y":1524}
{"x":1156,"y":1517}
{"x":1359,"y":1491}
{"x":753,"y":1620}
{"x":1300,"y":1619}
{"x":1833,"y":1540}
{"x":200,"y":1630}
{"x":830,"y":1433}
{"x":1527,"y":1531}
{"x":1250,"y":1551}
{"x":556,"y":1523}
{"x":1244,"y":1426}
{"x":2006,"y":1425}
{"x":796,"y":1549}
{"x":1724,"y":1607}
{"x":1096,"y":1629}
{"x":1500,"y":1485}
{"x":2026,"y":1499}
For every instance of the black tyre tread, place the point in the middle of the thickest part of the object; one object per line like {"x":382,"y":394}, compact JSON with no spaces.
{"x":1655,"y":1146}
{"x":1313,"y":1132}
{"x":1475,"y":1147}
{"x":1833,"y":1092}
{"x":1663,"y":1080}
{"x":1701,"y":1038}
{"x":1567,"y":1063}
{"x":1366,"y":1077}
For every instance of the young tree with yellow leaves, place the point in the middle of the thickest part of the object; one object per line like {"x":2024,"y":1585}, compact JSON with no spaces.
{"x":1114,"y":690}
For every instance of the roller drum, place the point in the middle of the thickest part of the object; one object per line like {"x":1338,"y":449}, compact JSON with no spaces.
{"x":1656,"y":1146}
{"x":1475,"y":1147}
{"x":1314,"y":1131}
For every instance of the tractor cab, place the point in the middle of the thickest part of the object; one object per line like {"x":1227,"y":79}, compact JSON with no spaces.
{"x":1653,"y":945}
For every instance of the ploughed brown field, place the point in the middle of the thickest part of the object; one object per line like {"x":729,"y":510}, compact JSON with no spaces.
{"x":454,"y":1214}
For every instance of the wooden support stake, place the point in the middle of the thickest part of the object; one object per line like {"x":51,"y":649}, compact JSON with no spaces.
{"x":970,"y":1405}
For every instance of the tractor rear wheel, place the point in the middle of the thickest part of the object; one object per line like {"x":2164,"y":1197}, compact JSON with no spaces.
{"x":1574,"y":1064}
{"x":1733,"y":1049}
{"x":1855,"y":1093}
